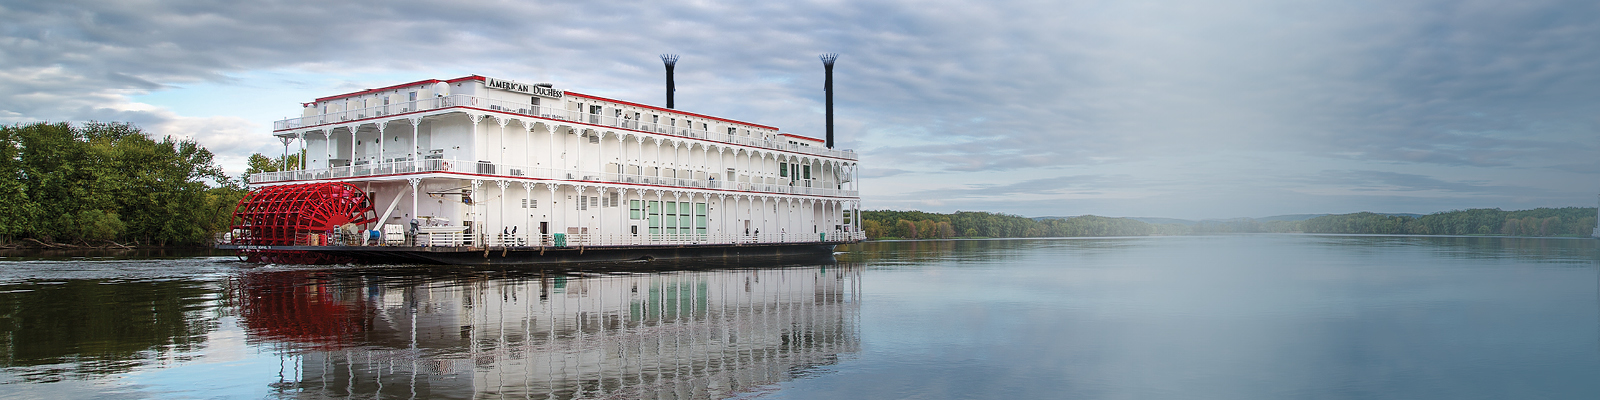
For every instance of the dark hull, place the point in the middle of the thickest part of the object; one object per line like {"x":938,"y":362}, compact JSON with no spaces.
{"x":553,"y":255}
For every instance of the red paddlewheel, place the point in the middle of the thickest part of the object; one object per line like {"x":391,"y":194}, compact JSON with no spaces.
{"x":284,"y":215}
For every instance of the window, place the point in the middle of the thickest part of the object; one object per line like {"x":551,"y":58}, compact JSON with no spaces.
{"x":806,"y":170}
{"x":530,"y":203}
{"x":700,"y":218}
{"x":669,"y":218}
{"x":635,"y":209}
{"x":685,"y":217}
{"x":732,"y":131}
{"x":783,"y":170}
{"x":411,"y":96}
{"x":614,"y":198}
{"x":654,"y":211}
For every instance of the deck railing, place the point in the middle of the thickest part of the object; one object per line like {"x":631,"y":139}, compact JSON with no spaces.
{"x":555,"y":113}
{"x":779,"y":186}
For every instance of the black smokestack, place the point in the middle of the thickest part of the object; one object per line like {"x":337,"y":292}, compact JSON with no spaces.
{"x":827,"y":87}
{"x":671,"y":60}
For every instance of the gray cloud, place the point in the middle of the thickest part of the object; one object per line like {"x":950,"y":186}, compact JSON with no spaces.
{"x":1401,"y":182}
{"x":1081,"y":184}
{"x":883,"y":172}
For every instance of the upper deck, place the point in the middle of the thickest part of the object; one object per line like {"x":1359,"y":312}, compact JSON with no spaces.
{"x":476,"y":93}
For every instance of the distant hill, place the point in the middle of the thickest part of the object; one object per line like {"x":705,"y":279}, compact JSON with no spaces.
{"x":1179,"y":221}
{"x":1147,"y":220}
{"x":1565,"y":221}
{"x":1163,"y":221}
{"x":1049,"y":218}
{"x":1291,"y":217}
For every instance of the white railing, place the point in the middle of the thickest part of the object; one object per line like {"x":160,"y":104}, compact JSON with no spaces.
{"x":517,"y":171}
{"x":554,"y":113}
{"x":461,"y":239}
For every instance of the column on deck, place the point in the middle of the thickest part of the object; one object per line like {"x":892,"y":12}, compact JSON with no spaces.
{"x":416,"y":147}
{"x":327,"y":148}
{"x":497,"y":158}
{"x":577,"y":158}
{"x":580,"y":193}
{"x":552,"y":221}
{"x":660,"y":208}
{"x":527,"y":147}
{"x":638,"y":156}
{"x":415,"y":183}
{"x":622,"y":157}
{"x":550,"y":161}
{"x":302,"y":137}
{"x":527,"y":214}
{"x":379,"y":162}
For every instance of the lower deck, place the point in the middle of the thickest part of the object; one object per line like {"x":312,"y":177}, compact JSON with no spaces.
{"x":448,"y":210}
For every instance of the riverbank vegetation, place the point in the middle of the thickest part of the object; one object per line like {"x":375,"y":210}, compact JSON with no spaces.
{"x":922,"y":225}
{"x":1568,"y":221}
{"x":109,"y":184}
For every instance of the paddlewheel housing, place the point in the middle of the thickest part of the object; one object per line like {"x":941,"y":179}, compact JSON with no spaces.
{"x":295,"y":215}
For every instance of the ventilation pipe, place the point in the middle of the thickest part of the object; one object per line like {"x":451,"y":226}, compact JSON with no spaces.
{"x":827,"y":87}
{"x":671,"y":60}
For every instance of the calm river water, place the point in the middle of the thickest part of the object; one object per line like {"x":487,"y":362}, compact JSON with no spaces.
{"x":1210,"y":317}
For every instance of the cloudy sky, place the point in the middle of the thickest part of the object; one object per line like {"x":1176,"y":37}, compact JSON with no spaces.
{"x":1185,"y":109}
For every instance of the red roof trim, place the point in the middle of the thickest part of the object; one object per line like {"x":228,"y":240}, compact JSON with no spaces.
{"x":478,"y":78}
{"x":802,"y":137}
{"x":669,"y":110}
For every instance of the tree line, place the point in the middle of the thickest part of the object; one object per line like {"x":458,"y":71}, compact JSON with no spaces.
{"x":1567,"y":221}
{"x":923,"y":225}
{"x":97,"y":182}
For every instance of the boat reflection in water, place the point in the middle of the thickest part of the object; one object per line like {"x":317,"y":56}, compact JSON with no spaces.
{"x":666,"y":334}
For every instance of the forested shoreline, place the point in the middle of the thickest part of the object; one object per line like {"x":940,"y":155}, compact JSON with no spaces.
{"x":1541,"y":222}
{"x":109,"y":185}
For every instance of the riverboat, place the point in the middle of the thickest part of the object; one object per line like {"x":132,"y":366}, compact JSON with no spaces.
{"x":479,"y":170}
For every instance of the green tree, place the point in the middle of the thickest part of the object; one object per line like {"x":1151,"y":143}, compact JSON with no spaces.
{"x":107,"y":181}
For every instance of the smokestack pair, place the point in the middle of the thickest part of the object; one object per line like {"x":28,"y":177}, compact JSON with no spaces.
{"x":671,"y":60}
